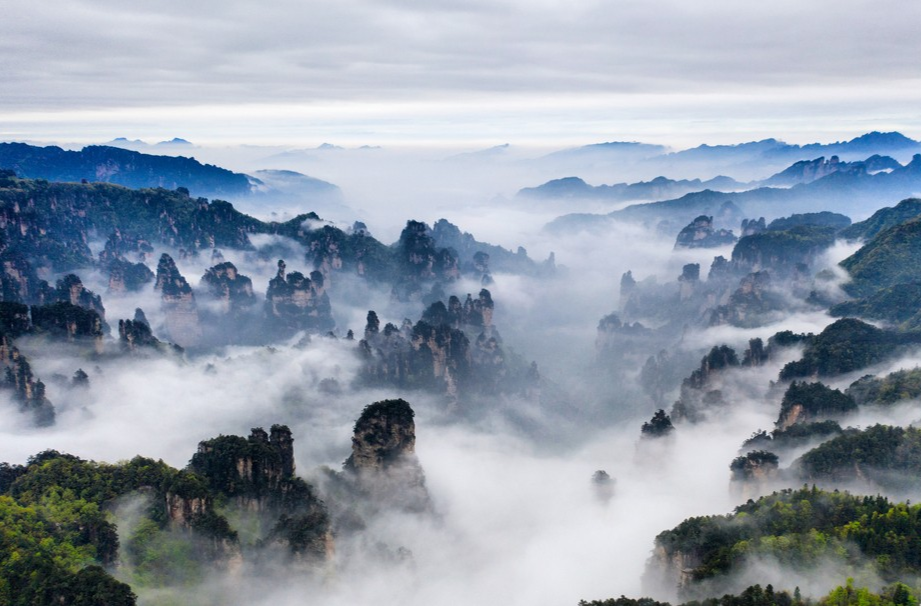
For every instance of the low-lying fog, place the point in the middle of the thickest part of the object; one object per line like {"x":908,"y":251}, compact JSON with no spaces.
{"x":518,"y":520}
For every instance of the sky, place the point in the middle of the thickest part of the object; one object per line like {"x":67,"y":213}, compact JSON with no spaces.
{"x":462,"y":73}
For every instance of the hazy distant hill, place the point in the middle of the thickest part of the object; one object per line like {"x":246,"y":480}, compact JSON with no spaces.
{"x":289,"y":181}
{"x":801,"y":165}
{"x":605,"y":151}
{"x":659,"y":188}
{"x":100,"y":163}
{"x":772,"y":149}
{"x":883,"y":219}
{"x":807,"y":171}
{"x":756,"y":160}
{"x":892,"y":257}
{"x":853,"y":192}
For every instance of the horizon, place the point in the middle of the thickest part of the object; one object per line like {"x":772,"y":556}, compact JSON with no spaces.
{"x":176,"y":142}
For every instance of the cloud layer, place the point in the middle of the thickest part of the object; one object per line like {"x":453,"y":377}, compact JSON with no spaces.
{"x":407,"y":69}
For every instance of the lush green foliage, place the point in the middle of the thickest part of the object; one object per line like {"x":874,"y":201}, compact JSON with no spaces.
{"x":844,"y":346}
{"x":795,"y":435}
{"x":892,"y":257}
{"x":815,"y":401}
{"x":659,"y":426}
{"x":896,"y":594}
{"x":46,"y":555}
{"x":125,"y":167}
{"x":895,"y":387}
{"x":898,"y":304}
{"x":742,"y":465}
{"x":883,"y":219}
{"x":888,"y":456}
{"x":801,"y":529}
{"x":782,"y":250}
{"x":824,"y":218}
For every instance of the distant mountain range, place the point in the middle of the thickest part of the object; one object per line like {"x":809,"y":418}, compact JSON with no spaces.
{"x":120,"y":166}
{"x":855,"y":191}
{"x":663,"y":188}
{"x":660,"y":188}
{"x":137,"y":144}
{"x":750,"y":161}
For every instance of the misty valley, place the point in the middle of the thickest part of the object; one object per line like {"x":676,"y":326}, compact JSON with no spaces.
{"x":612,"y":375}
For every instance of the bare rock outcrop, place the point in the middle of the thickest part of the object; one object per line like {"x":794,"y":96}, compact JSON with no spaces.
{"x":295,"y":302}
{"x":232,"y":289}
{"x":178,"y":304}
{"x":383,"y":460}
{"x":753,"y":473}
{"x":27,"y":391}
{"x":700,"y":233}
{"x":256,"y":476}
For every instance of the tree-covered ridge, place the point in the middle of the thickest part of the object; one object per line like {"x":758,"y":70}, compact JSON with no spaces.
{"x":59,"y":515}
{"x":795,"y":435}
{"x":100,"y":163}
{"x":883,"y":219}
{"x":824,"y":218}
{"x":50,"y":224}
{"x":810,"y":402}
{"x":56,"y":522}
{"x":43,"y":560}
{"x":782,"y":250}
{"x":891,"y":257}
{"x":844,"y":346}
{"x":900,"y":385}
{"x":895,"y":594}
{"x":889,"y":457}
{"x":454,"y":349}
{"x":800,"y":529}
{"x":898,"y":305}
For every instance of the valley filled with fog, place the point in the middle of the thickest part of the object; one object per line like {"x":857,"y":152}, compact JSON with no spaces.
{"x":592,"y":322}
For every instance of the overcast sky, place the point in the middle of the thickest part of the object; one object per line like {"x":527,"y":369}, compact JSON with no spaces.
{"x":477,"y":71}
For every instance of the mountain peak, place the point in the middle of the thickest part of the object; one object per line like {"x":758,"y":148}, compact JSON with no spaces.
{"x":889,"y":140}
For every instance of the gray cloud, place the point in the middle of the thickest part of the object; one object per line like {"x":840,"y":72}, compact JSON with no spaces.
{"x":101,"y":54}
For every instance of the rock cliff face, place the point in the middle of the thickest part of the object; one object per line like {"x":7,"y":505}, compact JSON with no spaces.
{"x":135,"y":338}
{"x":233,"y":290}
{"x":14,"y":319}
{"x":27,"y":391}
{"x":751,"y":227}
{"x":19,"y":281}
{"x":256,"y":475}
{"x":752,"y":304}
{"x":670,"y":568}
{"x":188,"y":507}
{"x":810,"y":402}
{"x":753,"y":473}
{"x":71,"y":322}
{"x":780,"y":251}
{"x":700,"y":233}
{"x":689,"y":281}
{"x":453,"y":349}
{"x":449,"y":351}
{"x":701,"y":391}
{"x":613,"y":337}
{"x":383,"y":460}
{"x":70,"y":289}
{"x":295,"y":302}
{"x":421,"y":263}
{"x":477,"y":259}
{"x":125,"y":275}
{"x":178,"y":304}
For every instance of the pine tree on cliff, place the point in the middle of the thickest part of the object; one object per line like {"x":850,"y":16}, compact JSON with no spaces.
{"x":373,"y":325}
{"x":659,"y":426}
